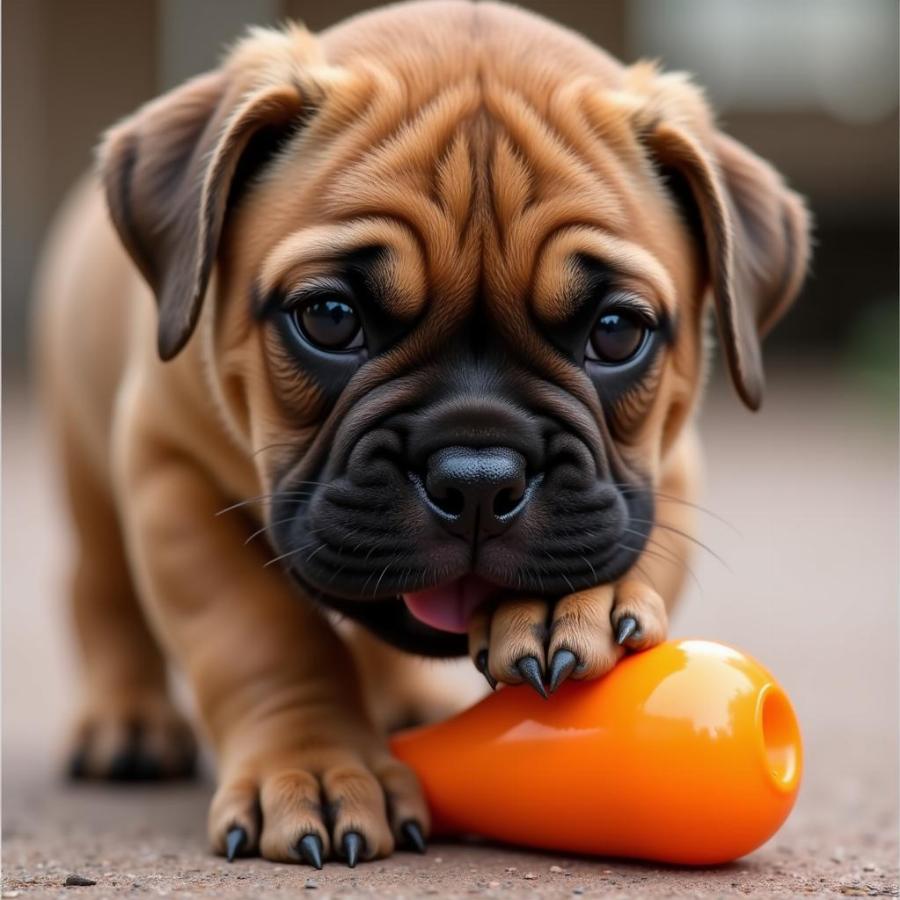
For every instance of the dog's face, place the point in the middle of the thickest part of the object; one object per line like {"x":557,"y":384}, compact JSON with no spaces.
{"x":459,"y":303}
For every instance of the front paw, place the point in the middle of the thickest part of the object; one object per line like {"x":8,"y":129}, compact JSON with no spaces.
{"x":316,"y":799}
{"x":583,"y":635}
{"x":140,"y":737}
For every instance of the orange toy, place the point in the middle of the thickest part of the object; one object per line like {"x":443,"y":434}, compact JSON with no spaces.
{"x":688,"y":753}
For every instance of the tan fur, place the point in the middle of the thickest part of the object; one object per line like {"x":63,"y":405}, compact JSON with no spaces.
{"x":483,"y":146}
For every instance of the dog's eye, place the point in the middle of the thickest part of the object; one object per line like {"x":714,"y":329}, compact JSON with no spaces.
{"x":329,"y":323}
{"x":617,"y":337}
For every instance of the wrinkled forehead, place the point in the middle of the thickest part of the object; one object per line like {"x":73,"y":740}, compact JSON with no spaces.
{"x":476,"y":196}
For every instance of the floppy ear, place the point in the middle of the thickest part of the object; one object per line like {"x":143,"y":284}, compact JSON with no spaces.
{"x":756,"y":239}
{"x":168,"y":171}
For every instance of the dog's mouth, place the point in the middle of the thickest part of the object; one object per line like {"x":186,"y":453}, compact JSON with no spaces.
{"x":449,"y":607}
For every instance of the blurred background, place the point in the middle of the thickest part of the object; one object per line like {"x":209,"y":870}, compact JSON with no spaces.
{"x":802,"y":498}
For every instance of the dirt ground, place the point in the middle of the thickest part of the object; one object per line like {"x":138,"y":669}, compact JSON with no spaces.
{"x":808,"y":490}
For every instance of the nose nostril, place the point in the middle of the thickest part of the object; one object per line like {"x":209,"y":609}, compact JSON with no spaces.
{"x":507,"y":500}
{"x":452,"y":502}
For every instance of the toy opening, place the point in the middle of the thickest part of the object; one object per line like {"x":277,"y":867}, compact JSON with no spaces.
{"x":781,"y":738}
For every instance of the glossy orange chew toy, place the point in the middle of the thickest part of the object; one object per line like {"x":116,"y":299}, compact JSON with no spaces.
{"x":688,"y":753}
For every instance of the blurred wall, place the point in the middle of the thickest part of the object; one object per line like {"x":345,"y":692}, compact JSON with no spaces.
{"x":809,"y":84}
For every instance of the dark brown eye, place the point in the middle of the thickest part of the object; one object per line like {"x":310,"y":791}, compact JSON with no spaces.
{"x":617,"y":337}
{"x":329,"y":323}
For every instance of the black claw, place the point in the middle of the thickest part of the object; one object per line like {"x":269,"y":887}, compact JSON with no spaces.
{"x":235,"y":841}
{"x":412,"y":835}
{"x":481,"y":663}
{"x":352,"y":845}
{"x":530,"y":669}
{"x":561,"y":667}
{"x":78,"y":764}
{"x":186,"y":767}
{"x":133,"y":762}
{"x":627,"y":627}
{"x":310,"y":848}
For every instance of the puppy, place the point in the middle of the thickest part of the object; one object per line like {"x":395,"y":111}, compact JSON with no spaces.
{"x":402,"y":324}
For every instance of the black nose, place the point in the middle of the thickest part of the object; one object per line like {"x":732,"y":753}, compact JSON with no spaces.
{"x":476,"y":492}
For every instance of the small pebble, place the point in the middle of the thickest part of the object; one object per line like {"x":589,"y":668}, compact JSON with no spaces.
{"x":577,"y":890}
{"x":74,"y":880}
{"x":310,"y":885}
{"x":529,"y":876}
{"x":557,"y":870}
{"x":493,"y":884}
{"x":510,"y":868}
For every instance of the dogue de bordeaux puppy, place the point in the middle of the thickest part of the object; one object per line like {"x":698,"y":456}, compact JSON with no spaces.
{"x":382,"y":344}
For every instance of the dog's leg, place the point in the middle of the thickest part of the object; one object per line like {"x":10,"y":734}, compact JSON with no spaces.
{"x":128,"y":728}
{"x":584,"y":634}
{"x":303,"y":773}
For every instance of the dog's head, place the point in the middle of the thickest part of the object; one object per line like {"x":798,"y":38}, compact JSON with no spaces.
{"x":461,"y":266}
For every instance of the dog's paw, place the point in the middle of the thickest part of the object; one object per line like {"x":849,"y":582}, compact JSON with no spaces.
{"x":142,"y":739}
{"x":583,"y":635}
{"x":318,"y":802}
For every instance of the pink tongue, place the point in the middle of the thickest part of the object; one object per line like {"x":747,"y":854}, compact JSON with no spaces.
{"x":450,"y":606}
